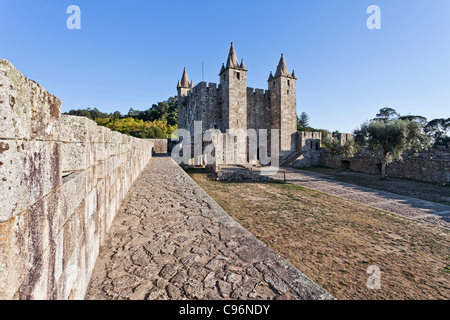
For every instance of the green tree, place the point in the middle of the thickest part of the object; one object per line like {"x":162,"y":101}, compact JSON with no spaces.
{"x":390,"y":138}
{"x":338,"y":150}
{"x":302,"y":121}
{"x":422,"y":120}
{"x":386,"y":114}
{"x":438,"y":130}
{"x":154,"y":133}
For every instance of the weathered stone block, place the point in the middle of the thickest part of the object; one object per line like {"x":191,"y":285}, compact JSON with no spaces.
{"x":78,"y":129}
{"x":160,"y":145}
{"x":77,"y":156}
{"x":80,"y":285}
{"x":59,"y":253}
{"x":28,"y":171}
{"x":101,"y":169}
{"x":73,"y":191}
{"x":70,"y":273}
{"x":31,"y":246}
{"x":72,"y":232}
{"x":101,"y":151}
{"x":27,"y":111}
{"x":10,"y":280}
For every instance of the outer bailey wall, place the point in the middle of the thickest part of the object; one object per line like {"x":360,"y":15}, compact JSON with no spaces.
{"x":417,"y":168}
{"x":62,"y":180}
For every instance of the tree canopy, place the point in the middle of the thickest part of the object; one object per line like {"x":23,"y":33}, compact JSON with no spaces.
{"x":156,"y":122}
{"x":390,"y":137}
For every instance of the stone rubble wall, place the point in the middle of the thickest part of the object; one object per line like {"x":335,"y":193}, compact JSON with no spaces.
{"x":62,"y":180}
{"x":416,"y":168}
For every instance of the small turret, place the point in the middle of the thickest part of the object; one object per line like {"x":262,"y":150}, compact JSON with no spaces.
{"x":183,"y":86}
{"x":185,"y":79}
{"x":232,"y":61}
{"x":293,"y":75}
{"x":282,"y":69}
{"x":242,"y":65}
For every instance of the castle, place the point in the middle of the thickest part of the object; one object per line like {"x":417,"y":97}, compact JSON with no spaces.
{"x":234,"y":105}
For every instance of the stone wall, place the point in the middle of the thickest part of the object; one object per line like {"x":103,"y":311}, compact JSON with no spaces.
{"x":201,"y":103}
{"x":418,"y":168}
{"x":160,"y":145}
{"x":258,"y":109}
{"x":62,"y":179}
{"x":310,"y":151}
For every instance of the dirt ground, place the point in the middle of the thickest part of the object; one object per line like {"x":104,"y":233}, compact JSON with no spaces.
{"x":406,"y":187}
{"x":334,"y":241}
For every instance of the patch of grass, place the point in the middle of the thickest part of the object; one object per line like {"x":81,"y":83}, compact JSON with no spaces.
{"x":412,"y":188}
{"x":314,"y":169}
{"x":333,"y":241}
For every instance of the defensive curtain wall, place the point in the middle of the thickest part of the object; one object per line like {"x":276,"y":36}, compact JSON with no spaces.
{"x":431,"y":165}
{"x":62,"y":180}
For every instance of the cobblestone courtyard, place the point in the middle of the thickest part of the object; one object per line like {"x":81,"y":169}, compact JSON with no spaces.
{"x":170,"y":240}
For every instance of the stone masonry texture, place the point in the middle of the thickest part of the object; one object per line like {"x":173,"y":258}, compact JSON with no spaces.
{"x":172,"y":241}
{"x":62,"y":180}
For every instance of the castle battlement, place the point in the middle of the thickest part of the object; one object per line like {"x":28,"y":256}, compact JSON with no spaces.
{"x":258,"y":92}
{"x":234,"y":105}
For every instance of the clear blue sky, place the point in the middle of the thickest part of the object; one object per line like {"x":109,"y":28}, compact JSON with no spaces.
{"x":130,"y":54}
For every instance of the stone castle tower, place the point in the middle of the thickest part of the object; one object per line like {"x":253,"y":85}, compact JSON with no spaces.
{"x":233,"y":105}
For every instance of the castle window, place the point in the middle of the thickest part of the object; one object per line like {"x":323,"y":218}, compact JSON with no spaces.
{"x":274,"y":84}
{"x":289,"y":83}
{"x":238,"y":75}
{"x":288,"y":92}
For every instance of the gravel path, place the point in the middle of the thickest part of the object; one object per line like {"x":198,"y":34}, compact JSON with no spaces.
{"x":407,"y":207}
{"x":170,"y":240}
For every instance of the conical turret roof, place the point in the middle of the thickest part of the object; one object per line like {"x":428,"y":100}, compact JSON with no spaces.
{"x":242,"y":64}
{"x":282,"y":69}
{"x":185,"y":79}
{"x":293,"y":74}
{"x":232,"y":58}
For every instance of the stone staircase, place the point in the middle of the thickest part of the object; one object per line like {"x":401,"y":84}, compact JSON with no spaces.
{"x":291,"y":158}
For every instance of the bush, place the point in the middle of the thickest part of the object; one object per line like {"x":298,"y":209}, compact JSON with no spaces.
{"x":154,"y":133}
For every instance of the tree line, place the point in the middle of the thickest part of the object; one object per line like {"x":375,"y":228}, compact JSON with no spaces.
{"x":157,"y":122}
{"x":389,"y":134}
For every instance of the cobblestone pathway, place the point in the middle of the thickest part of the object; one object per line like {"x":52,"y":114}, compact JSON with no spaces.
{"x":407,"y":207}
{"x":171,"y":241}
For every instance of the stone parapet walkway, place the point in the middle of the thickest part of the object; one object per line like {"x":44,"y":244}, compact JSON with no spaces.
{"x":407,"y":207}
{"x":172,"y":241}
